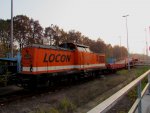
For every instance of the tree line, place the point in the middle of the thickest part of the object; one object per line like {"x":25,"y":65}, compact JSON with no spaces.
{"x":28,"y":31}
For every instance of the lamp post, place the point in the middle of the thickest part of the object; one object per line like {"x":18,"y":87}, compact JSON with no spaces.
{"x":11,"y":37}
{"x":127,"y":41}
{"x":146,"y":46}
{"x":120,"y":47}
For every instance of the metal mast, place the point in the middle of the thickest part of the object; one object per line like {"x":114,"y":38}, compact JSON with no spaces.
{"x":11,"y":37}
{"x":146,"y":46}
{"x":120,"y":47}
{"x":127,"y":42}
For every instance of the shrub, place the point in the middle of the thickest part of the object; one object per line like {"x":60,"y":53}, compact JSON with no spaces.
{"x":66,"y":106}
{"x":53,"y":110}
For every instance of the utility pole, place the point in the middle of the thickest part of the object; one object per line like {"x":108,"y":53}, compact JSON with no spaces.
{"x":11,"y":38}
{"x":146,"y":46}
{"x":127,"y":41}
{"x":120,"y":47}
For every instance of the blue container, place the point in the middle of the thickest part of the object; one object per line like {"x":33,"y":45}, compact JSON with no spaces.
{"x":110,"y":60}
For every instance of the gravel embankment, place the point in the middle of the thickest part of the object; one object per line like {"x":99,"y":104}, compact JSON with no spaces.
{"x":84,"y":96}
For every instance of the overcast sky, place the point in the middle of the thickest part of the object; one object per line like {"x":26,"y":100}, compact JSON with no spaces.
{"x":93,"y":18}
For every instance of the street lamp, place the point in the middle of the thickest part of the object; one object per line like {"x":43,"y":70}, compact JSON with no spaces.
{"x":11,"y":37}
{"x":120,"y":47}
{"x":146,"y":46}
{"x":127,"y":41}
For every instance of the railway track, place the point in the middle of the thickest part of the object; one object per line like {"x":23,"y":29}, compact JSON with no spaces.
{"x":13,"y":93}
{"x":18,"y":95}
{"x":77,"y":93}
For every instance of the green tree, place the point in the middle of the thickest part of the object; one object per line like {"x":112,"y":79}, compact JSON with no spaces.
{"x":119,"y":52}
{"x":54,"y":33}
{"x":22,"y":30}
{"x":36,"y":32}
{"x":74,"y":36}
{"x":109,"y":50}
{"x":4,"y":36}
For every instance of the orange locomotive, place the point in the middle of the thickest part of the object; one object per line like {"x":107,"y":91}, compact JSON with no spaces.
{"x":44,"y":62}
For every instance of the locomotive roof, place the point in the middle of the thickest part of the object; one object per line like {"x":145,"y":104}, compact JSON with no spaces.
{"x":42,"y":46}
{"x":81,"y":45}
{"x":56,"y":47}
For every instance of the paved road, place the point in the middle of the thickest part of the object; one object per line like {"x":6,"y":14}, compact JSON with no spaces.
{"x":145,"y":103}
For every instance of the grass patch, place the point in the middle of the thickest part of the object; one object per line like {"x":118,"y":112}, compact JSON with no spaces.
{"x":4,"y":79}
{"x":42,"y":110}
{"x":121,"y":112}
{"x":142,"y":70}
{"x":64,"y":106}
{"x":133,"y":93}
{"x":122,"y":72}
{"x":53,"y":110}
{"x":136,"y":71}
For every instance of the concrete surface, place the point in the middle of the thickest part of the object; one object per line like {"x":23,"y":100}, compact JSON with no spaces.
{"x":145,"y":103}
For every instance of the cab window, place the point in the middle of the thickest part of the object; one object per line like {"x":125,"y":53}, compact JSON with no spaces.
{"x":81,"y":49}
{"x":87,"y":50}
{"x":68,"y":46}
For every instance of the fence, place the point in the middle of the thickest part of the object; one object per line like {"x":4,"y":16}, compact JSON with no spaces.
{"x":111,"y":101}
